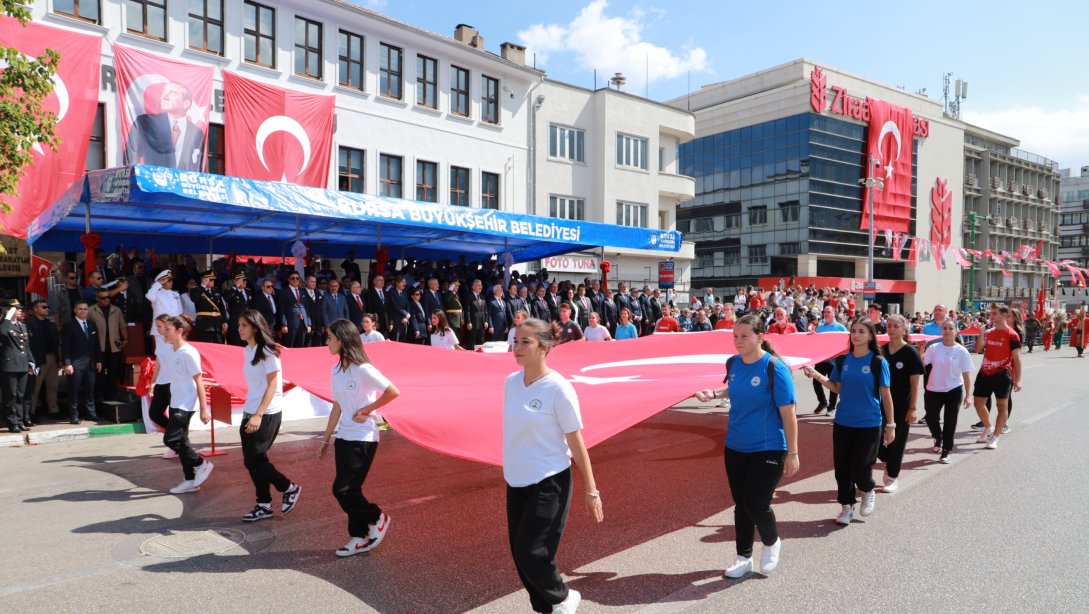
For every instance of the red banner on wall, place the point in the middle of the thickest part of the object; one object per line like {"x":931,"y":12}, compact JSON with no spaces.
{"x":74,"y":99}
{"x":889,"y":152}
{"x":277,"y":134}
{"x":164,"y":106}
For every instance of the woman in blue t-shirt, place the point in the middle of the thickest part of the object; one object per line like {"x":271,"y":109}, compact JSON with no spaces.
{"x":761,"y":440}
{"x":856,"y":432}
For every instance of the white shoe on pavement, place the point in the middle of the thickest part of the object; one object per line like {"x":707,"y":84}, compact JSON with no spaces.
{"x":355,"y":545}
{"x":170,"y":454}
{"x":992,"y":444}
{"x":378,"y":532}
{"x":846,"y":515}
{"x":202,"y":472}
{"x":891,"y":486}
{"x":984,"y":435}
{"x":868,"y":501}
{"x":184,"y":487}
{"x":741,"y":567}
{"x":569,"y":605}
{"x":769,"y":557}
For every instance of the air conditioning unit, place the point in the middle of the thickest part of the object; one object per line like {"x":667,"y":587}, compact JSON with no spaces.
{"x":1025,"y":189}
{"x":972,"y":180}
{"x":996,"y":183}
{"x":1028,"y":224}
{"x":1012,"y":186}
{"x":1012,"y":222}
{"x":1042,"y":193}
{"x":992,"y":220}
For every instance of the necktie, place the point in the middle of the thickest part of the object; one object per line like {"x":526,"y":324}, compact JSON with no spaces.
{"x":302,"y":316}
{"x":359,"y":301}
{"x":175,"y":133}
{"x":86,"y":331}
{"x":271,"y":302}
{"x":381,"y":296}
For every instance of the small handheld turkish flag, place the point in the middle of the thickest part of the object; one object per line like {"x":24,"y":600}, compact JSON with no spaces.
{"x":40,"y":269}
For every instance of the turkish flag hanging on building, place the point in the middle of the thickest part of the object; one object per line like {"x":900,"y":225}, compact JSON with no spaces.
{"x":74,"y":100}
{"x":40,"y":268}
{"x":164,"y":106}
{"x":890,"y":137}
{"x":276,"y":134}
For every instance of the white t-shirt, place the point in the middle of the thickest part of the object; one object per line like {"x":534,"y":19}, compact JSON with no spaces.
{"x":595,"y":333}
{"x":536,"y":420}
{"x":257,"y":381}
{"x":354,"y":388}
{"x":510,"y":338}
{"x":949,"y":365}
{"x":448,"y":341}
{"x":164,"y":356}
{"x":371,"y":337}
{"x":183,"y":390}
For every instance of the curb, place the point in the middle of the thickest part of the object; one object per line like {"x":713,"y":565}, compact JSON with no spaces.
{"x":129,"y":428}
{"x":61,"y":435}
{"x":11,"y":441}
{"x":73,"y":434}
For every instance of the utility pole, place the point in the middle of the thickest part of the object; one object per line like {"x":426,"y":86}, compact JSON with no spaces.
{"x":870,"y":289}
{"x":972,"y":269}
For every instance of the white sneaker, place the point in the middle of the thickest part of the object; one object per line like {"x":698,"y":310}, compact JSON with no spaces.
{"x":885,"y":479}
{"x":846,"y":515}
{"x":868,"y":501}
{"x":170,"y":454}
{"x":984,"y":435}
{"x":378,"y":531}
{"x":569,"y":605}
{"x":769,"y":557}
{"x":992,"y":444}
{"x":184,"y":487}
{"x":741,"y":567}
{"x":891,"y":486}
{"x":355,"y":545}
{"x":202,"y":472}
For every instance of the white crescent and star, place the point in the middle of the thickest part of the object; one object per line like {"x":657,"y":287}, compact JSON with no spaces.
{"x":694,"y":359}
{"x":63,"y":100}
{"x":890,"y":127}
{"x":282,"y":123}
{"x":43,"y":272}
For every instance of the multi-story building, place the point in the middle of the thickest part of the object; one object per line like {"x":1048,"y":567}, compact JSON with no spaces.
{"x":419,"y":115}
{"x":1074,"y":217}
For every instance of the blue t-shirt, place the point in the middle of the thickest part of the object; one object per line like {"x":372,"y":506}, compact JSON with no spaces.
{"x":755,"y":422}
{"x":932,"y":328}
{"x":626,"y":331}
{"x":859,"y":405}
{"x":834,"y":327}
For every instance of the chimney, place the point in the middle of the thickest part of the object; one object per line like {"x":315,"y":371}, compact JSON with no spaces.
{"x":465,"y":34}
{"x":477,"y":42}
{"x":513,"y":53}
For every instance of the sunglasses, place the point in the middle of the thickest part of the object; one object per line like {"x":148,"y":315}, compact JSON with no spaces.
{"x":267,"y":287}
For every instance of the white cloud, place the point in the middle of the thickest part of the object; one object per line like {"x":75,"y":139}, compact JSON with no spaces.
{"x":1061,"y":135}
{"x":612,"y":44}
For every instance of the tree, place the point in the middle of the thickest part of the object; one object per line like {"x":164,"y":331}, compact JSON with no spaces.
{"x":24,"y":85}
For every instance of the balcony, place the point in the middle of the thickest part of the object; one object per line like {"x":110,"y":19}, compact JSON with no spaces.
{"x":679,"y":187}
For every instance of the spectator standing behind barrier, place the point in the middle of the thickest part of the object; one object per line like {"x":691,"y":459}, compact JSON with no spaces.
{"x":625,"y":329}
{"x":827,"y":325}
{"x":595,"y":331}
{"x":370,"y":334}
{"x":44,"y":345}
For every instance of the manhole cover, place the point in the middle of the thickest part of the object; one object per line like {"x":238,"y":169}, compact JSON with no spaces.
{"x":184,"y":544}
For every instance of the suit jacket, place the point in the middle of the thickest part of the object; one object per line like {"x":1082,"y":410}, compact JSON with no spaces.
{"x":208,"y":302}
{"x":355,"y":312}
{"x":261,"y":304}
{"x":151,"y":142}
{"x":539,"y":308}
{"x":595,"y":303}
{"x":237,"y":302}
{"x":79,"y":349}
{"x":115,"y":327}
{"x":397,"y":310}
{"x":293,"y":314}
{"x":585,"y":306}
{"x":610,"y":314}
{"x":514,"y":305}
{"x":418,"y":321}
{"x":622,"y":301}
{"x":431,"y":302}
{"x":313,"y":307}
{"x":497,"y":314}
{"x":379,"y":306}
{"x":476,"y":311}
{"x":14,"y":347}
{"x":334,"y":307}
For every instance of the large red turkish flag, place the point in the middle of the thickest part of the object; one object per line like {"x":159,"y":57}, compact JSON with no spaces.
{"x":276,"y":134}
{"x":74,"y":99}
{"x":890,"y":137}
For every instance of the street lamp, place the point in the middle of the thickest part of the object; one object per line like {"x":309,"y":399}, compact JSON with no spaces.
{"x":871,"y":182}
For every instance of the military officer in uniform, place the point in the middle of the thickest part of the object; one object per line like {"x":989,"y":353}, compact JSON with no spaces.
{"x":211,"y":324}
{"x":238,"y":299}
{"x":451,"y":305}
{"x":163,"y":299}
{"x":16,"y":364}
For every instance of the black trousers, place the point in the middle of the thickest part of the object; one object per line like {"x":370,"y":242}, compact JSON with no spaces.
{"x":295,"y":337}
{"x":475,"y":337}
{"x":27,"y":416}
{"x":825,"y":369}
{"x":353,"y":461}
{"x":753,"y":477}
{"x":936,"y":403}
{"x":893,"y":454}
{"x":255,"y":448}
{"x":160,"y":405}
{"x":536,"y":517}
{"x":854,"y":451}
{"x":13,"y":387}
{"x":177,"y":439}
{"x":81,"y":384}
{"x":106,"y":381}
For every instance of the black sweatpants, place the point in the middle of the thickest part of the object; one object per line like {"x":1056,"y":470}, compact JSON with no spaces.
{"x":893,"y":454}
{"x":353,"y":461}
{"x":825,"y":369}
{"x":160,"y":405}
{"x":177,"y":439}
{"x":536,"y":517}
{"x":255,"y":448}
{"x":854,"y":451}
{"x":935,"y":403}
{"x":753,"y":477}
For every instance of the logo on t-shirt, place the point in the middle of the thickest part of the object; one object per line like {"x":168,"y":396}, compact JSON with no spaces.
{"x":866,"y":369}
{"x":534,"y":405}
{"x":178,"y":362}
{"x":351,"y":385}
{"x":755,"y":381}
{"x":899,"y":365}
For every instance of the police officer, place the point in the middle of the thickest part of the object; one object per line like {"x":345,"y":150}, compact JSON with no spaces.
{"x":211,"y":324}
{"x":164,"y":300}
{"x":238,"y":299}
{"x":16,"y":364}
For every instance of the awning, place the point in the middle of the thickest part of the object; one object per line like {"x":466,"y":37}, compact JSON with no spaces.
{"x":190,"y":212}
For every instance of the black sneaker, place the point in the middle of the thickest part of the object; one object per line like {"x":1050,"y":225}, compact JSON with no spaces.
{"x":291,"y":497}
{"x":831,"y":408}
{"x":978,"y":426}
{"x":259,"y":512}
{"x":820,"y":409}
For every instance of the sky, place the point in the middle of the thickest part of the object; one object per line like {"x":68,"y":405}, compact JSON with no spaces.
{"x":1027,"y":63}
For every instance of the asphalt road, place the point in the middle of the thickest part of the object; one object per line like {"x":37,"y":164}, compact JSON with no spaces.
{"x":995,"y":531}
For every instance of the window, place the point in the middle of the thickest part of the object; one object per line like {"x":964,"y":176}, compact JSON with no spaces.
{"x":758,"y":254}
{"x":789,"y":249}
{"x":758,"y":216}
{"x":390,"y":181}
{"x":216,"y":163}
{"x":427,"y":175}
{"x":147,"y":18}
{"x":350,"y":52}
{"x":631,"y":214}
{"x":259,"y":34}
{"x":389,"y":71}
{"x":489,"y":190}
{"x":567,"y":208}
{"x":350,"y":170}
{"x":788,"y":211}
{"x":308,"y":48}
{"x":206,"y":26}
{"x":661,"y":159}
{"x":459,"y":186}
{"x":731,"y":256}
{"x":459,"y":91}
{"x":631,"y":151}
{"x":427,"y":82}
{"x":489,"y":99}
{"x":566,"y":143}
{"x":96,"y":149}
{"x":733,"y":221}
{"x":86,"y":10}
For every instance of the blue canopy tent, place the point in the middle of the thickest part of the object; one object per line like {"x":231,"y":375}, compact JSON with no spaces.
{"x":189,"y":212}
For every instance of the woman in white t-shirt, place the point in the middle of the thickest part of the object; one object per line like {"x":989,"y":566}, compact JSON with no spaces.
{"x":160,"y":392}
{"x":358,"y":390}
{"x":595,"y":331}
{"x":261,"y":415}
{"x":946,"y":388}
{"x":369,"y":335}
{"x":186,"y":396}
{"x":444,"y":336}
{"x":542,"y":432}
{"x":519,"y":316}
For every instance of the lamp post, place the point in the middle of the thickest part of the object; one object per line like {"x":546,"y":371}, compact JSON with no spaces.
{"x":972,"y":269}
{"x":871,"y":182}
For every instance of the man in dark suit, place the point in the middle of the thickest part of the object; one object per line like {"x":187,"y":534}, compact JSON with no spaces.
{"x":16,"y":364}
{"x":476,"y":316}
{"x":82,"y":359}
{"x":295,"y":320}
{"x":397,"y":310}
{"x":334,"y":305}
{"x":44,"y":345}
{"x":167,"y":138}
{"x":211,"y":324}
{"x":498,"y":318}
{"x":516,"y":301}
{"x":432,"y":300}
{"x":265,"y":302}
{"x":312,"y":301}
{"x":357,"y":306}
{"x":238,"y":299}
{"x":554,"y":300}
{"x":585,"y":306}
{"x":622,"y":300}
{"x":376,"y":301}
{"x":539,"y":305}
{"x":610,"y":313}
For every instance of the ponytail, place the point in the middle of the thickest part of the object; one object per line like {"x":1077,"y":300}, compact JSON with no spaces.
{"x":766,"y":346}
